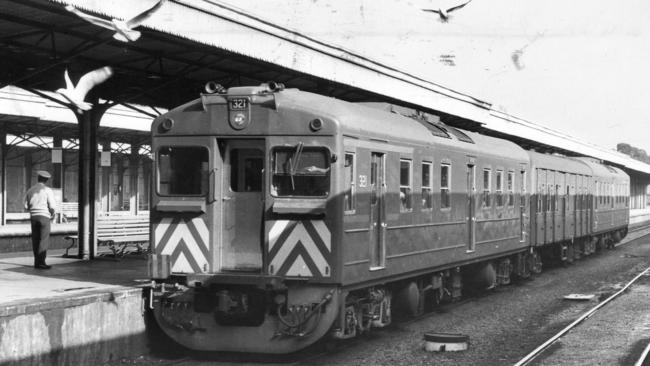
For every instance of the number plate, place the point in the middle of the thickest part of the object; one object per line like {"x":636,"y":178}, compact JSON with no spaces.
{"x":238,"y":103}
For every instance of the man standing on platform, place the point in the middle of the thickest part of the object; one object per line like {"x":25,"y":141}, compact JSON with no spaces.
{"x":41,"y":205}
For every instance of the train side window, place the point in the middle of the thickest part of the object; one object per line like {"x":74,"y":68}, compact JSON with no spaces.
{"x":510,"y":186}
{"x":499,"y":188}
{"x":597,"y":200}
{"x":405,"y":185}
{"x":183,"y":170}
{"x":350,"y":187}
{"x":445,"y":186}
{"x":427,"y":185}
{"x":487,"y":182}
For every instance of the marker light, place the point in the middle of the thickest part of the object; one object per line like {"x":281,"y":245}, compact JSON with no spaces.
{"x":316,"y":124}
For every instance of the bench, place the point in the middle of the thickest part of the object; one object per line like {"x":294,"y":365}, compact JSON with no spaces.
{"x":118,"y":233}
{"x":67,"y":210}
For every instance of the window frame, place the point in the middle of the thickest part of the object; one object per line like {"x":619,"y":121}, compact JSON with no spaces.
{"x":408,"y":199}
{"x":352,"y":202}
{"x":499,"y":187}
{"x":273,"y":155}
{"x":510,"y":187}
{"x":486,"y":200}
{"x":158,"y":173}
{"x":445,"y":190}
{"x":427,"y":198}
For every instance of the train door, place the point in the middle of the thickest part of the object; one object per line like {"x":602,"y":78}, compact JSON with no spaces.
{"x":540,"y":215}
{"x":522,"y":204}
{"x":560,"y":210}
{"x":377,"y":210}
{"x":242,"y":204}
{"x":471,"y":205}
{"x":550,"y":206}
{"x":570,"y":230}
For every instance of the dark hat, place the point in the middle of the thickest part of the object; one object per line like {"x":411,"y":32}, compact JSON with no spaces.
{"x":44,"y":174}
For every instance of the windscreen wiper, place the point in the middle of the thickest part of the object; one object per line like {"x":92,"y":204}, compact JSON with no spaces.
{"x":293,"y":167}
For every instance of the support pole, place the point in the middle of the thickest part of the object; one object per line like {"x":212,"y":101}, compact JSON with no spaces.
{"x":88,"y":126}
{"x":134,"y":165}
{"x":3,"y":177}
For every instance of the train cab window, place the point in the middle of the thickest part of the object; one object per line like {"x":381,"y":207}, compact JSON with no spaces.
{"x":405,"y":186}
{"x":510,"y":186}
{"x":183,"y":170}
{"x":300,"y":171}
{"x":350,"y":194}
{"x":487,"y":182}
{"x":246,"y":170}
{"x":427,"y":184}
{"x":445,"y":186}
{"x":499,"y":188}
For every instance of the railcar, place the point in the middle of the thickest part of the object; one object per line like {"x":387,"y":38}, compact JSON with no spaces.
{"x":281,"y":216}
{"x":610,"y":202}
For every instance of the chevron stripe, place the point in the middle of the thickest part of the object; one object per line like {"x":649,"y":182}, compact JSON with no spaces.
{"x":286,"y":238}
{"x":323,"y":232}
{"x":186,"y":242}
{"x":276,"y":230}
{"x":161,"y":229}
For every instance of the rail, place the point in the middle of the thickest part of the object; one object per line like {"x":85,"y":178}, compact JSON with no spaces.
{"x":537,"y":351}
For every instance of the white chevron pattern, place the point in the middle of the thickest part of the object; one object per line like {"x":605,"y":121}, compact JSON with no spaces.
{"x":299,"y":235}
{"x":182,"y":232}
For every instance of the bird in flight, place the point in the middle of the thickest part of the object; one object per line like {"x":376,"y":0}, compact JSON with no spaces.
{"x":76,"y":94}
{"x":444,"y":14}
{"x":123,"y":28}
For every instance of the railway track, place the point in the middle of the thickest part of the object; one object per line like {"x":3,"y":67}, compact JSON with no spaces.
{"x":539,"y":350}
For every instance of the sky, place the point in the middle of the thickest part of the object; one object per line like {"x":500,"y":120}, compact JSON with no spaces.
{"x":581,"y":66}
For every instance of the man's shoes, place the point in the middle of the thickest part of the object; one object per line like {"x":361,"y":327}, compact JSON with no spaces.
{"x":42,"y":266}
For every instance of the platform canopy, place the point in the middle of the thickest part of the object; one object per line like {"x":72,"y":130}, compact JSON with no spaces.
{"x":188,"y":42}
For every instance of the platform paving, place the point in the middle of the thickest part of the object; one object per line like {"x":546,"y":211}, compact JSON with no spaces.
{"x":76,"y":313}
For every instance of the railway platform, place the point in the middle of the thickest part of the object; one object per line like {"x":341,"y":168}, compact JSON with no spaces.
{"x":76,"y":313}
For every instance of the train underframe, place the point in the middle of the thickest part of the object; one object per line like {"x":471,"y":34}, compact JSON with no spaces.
{"x":284,"y":317}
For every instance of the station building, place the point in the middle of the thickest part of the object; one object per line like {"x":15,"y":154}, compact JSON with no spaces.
{"x":38,"y":134}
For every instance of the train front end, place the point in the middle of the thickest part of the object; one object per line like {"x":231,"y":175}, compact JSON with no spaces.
{"x":242,"y":256}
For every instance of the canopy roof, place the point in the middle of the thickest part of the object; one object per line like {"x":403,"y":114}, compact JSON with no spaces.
{"x":189,"y":42}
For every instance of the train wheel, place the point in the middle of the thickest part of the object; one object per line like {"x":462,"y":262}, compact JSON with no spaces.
{"x":409,"y":300}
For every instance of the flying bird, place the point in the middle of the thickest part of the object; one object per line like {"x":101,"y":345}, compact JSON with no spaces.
{"x":518,"y":54}
{"x":123,"y":29}
{"x":76,"y":94}
{"x":516,"y":58}
{"x":444,"y":14}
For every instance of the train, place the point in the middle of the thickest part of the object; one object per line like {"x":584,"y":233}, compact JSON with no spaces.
{"x":280,"y":217}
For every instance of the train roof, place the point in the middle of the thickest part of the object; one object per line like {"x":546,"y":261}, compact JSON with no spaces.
{"x":603,"y":171}
{"x":379,"y":123}
{"x":558,"y":163}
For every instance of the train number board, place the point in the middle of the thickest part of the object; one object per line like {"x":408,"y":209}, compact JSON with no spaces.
{"x":238,"y":104}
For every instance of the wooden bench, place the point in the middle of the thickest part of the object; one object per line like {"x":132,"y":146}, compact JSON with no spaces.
{"x":118,"y":233}
{"x":67,"y":210}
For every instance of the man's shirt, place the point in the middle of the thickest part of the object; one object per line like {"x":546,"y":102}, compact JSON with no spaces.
{"x":40,"y":201}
